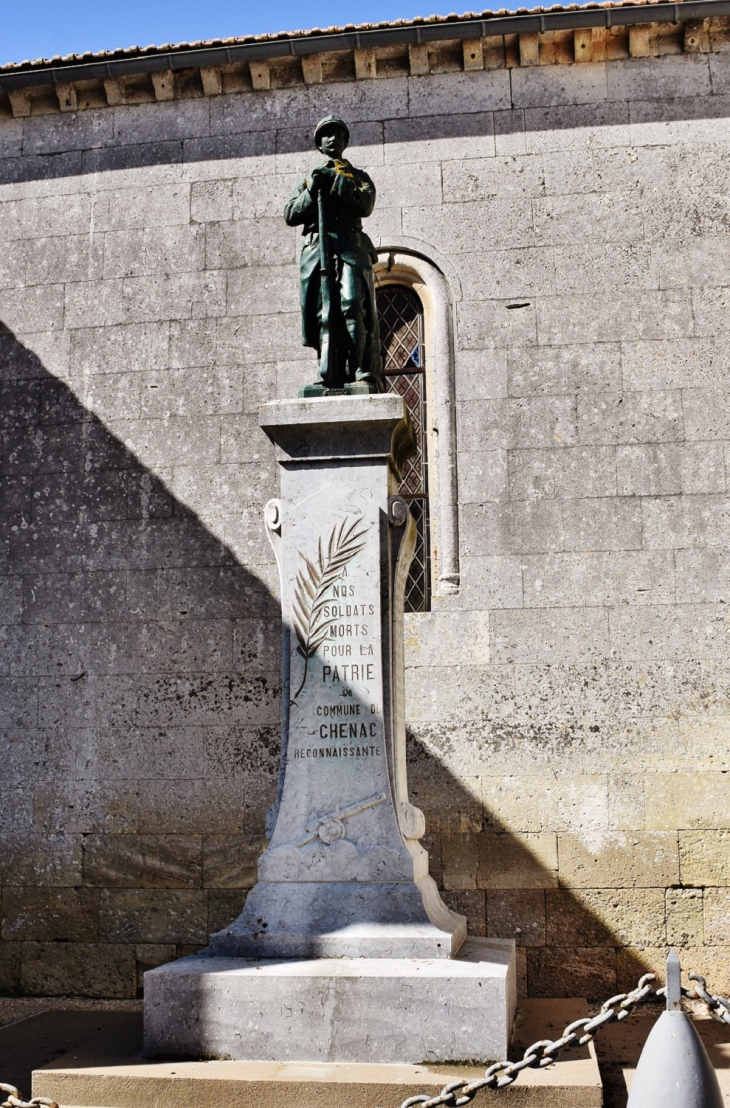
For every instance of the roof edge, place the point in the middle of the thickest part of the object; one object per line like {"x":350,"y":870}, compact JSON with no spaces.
{"x":306,"y":43}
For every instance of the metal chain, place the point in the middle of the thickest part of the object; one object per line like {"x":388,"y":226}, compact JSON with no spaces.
{"x":545,"y":1051}
{"x":502,"y":1074}
{"x":717,"y":1006}
{"x":16,"y":1101}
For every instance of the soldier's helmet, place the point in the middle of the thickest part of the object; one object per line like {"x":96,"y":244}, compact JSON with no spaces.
{"x":331,"y":121}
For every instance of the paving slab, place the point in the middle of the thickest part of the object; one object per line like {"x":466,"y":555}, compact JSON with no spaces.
{"x":108,"y":1071}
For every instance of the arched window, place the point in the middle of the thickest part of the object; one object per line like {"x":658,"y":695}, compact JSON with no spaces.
{"x":402,"y":340}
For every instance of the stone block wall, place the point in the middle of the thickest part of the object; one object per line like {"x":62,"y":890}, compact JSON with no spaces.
{"x":568,"y":709}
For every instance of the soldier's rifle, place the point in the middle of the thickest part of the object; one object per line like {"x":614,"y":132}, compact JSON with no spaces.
{"x":328,"y":336}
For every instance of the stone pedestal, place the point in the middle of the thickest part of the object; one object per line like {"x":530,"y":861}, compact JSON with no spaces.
{"x":335,"y":1009}
{"x":344,"y":876}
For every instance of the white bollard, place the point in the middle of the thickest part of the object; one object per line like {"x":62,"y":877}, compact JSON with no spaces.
{"x":674,"y":1070}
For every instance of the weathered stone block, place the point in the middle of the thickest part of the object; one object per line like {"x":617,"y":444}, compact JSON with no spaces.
{"x":716,"y":925}
{"x":179,"y":119}
{"x":686,"y":800}
{"x":79,"y":969}
{"x":562,"y":220}
{"x":658,"y":78}
{"x":618,"y":860}
{"x":631,"y":418}
{"x":517,"y":861}
{"x":564,"y":369}
{"x":34,"y":309}
{"x":703,"y":576}
{"x":506,"y":424}
{"x":561,"y":85}
{"x":689,"y":630}
{"x":211,"y":201}
{"x":511,"y":275}
{"x":677,"y":522}
{"x":567,"y":127}
{"x":704,"y":857}
{"x":18,"y":703}
{"x":153,"y":916}
{"x":469,"y":903}
{"x":491,"y":582}
{"x":461,"y":637}
{"x":622,"y":317}
{"x":456,"y":93}
{"x":517,"y":914}
{"x":9,"y":968}
{"x":39,"y":859}
{"x":540,"y":636}
{"x":224,"y":906}
{"x":147,"y":861}
{"x":626,"y":802}
{"x":649,"y":470}
{"x":707,"y":414}
{"x":460,"y":861}
{"x":601,"y":524}
{"x":573,"y":472}
{"x":489,"y":178}
{"x":448,"y":694}
{"x":68,"y":915}
{"x":11,"y":600}
{"x":418,"y":184}
{"x":473,"y":227}
{"x":461,"y":136}
{"x":189,"y":817}
{"x":572,"y":971}
{"x":684,"y":911}
{"x":483,"y":476}
{"x":711,"y":961}
{"x":528,"y":527}
{"x":229,"y":862}
{"x":605,"y":917}
{"x":261,"y":242}
{"x":625,"y":577}
{"x":139,"y":251}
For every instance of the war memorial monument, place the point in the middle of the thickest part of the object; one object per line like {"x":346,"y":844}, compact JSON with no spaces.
{"x":344,"y":917}
{"x":187,"y":487}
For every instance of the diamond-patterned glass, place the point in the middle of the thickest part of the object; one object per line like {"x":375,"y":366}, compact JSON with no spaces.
{"x":401,"y":329}
{"x":401,"y":334}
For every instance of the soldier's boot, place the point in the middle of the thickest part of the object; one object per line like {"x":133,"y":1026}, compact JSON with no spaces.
{"x":355,"y":349}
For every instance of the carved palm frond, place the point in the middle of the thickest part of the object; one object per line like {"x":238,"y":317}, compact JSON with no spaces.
{"x":314,"y":581}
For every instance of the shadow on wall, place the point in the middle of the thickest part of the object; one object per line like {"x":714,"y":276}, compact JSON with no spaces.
{"x":139,"y":708}
{"x":139,"y":704}
{"x":507,"y":887}
{"x":245,"y":124}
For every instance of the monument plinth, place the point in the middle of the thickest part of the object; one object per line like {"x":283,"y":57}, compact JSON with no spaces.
{"x":344,"y":874}
{"x":344,"y":883}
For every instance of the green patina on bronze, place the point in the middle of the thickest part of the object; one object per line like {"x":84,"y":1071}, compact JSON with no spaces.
{"x":337,"y":285}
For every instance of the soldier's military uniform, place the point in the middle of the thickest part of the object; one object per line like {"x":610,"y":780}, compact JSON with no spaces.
{"x":350,"y":198}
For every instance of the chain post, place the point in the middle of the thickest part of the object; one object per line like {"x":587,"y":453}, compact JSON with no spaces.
{"x":500,"y":1075}
{"x":674,"y":1070}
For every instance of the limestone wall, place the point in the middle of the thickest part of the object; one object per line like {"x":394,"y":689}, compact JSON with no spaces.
{"x":568,"y":708}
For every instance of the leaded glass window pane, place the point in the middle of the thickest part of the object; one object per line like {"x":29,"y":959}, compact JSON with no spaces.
{"x":401,"y":335}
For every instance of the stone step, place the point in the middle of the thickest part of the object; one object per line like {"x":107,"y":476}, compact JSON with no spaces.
{"x":107,"y":1072}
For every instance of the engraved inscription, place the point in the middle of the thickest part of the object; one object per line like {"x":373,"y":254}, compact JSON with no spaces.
{"x":313,"y":616}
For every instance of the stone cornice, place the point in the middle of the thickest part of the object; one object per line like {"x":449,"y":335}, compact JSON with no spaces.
{"x":558,"y":35}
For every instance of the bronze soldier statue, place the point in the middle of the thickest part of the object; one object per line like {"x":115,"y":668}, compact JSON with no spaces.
{"x":337,"y":286}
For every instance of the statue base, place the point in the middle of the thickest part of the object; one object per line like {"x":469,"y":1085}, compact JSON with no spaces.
{"x":405,"y":1011}
{"x":352,"y":388}
{"x":350,"y":919}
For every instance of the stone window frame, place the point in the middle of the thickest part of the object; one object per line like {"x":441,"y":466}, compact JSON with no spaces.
{"x":400,"y":266}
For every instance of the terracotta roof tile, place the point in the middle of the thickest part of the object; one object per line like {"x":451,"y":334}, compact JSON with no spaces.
{"x":136,"y":51}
